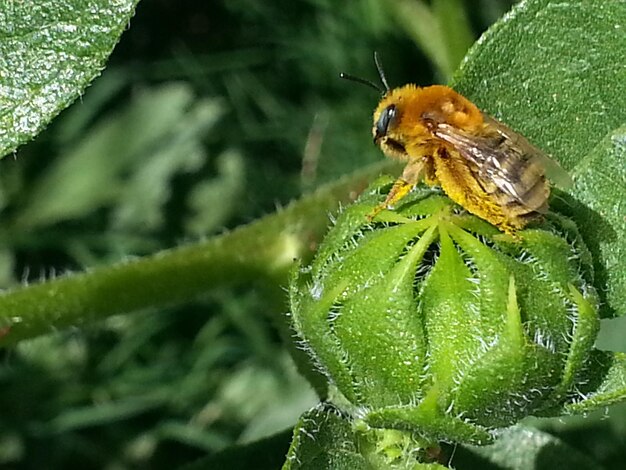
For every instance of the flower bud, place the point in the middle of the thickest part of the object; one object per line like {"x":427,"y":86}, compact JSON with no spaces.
{"x":429,"y":319}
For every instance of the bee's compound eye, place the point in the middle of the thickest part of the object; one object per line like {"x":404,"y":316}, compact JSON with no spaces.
{"x":385,"y":120}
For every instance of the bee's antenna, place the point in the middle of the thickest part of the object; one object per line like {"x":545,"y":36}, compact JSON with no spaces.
{"x":362,"y":81}
{"x":369,"y":83}
{"x":381,"y":72}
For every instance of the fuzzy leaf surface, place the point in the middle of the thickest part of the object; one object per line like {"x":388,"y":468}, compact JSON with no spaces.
{"x":49,"y":52}
{"x":554,"y":72}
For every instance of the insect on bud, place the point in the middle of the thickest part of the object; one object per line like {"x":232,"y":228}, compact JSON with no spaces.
{"x":431,"y":320}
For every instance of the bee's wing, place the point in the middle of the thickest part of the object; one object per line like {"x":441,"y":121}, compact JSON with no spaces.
{"x":555,"y":172}
{"x":502,"y":156}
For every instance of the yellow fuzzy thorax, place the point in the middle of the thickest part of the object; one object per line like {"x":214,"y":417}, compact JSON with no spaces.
{"x":405,"y":122}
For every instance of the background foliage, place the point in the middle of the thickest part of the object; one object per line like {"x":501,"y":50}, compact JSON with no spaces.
{"x":208,"y":115}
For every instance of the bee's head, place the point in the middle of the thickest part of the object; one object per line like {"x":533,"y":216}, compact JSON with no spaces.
{"x":397,"y":122}
{"x":386,"y":114}
{"x":406,"y":116}
{"x":386,"y":130}
{"x":384,"y":122}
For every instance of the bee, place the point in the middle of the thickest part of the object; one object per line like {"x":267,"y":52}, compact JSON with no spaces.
{"x":480,"y":163}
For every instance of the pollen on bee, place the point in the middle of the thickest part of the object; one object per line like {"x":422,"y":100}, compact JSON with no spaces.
{"x":480,"y":163}
{"x":460,"y":118}
{"x":447,"y":107}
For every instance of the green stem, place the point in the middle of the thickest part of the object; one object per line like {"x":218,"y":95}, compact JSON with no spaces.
{"x":263,"y":249}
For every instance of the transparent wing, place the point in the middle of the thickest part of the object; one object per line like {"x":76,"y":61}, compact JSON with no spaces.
{"x":503,"y":157}
{"x":555,"y":172}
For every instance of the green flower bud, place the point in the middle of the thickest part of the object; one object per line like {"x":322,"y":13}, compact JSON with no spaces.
{"x":430,"y":320}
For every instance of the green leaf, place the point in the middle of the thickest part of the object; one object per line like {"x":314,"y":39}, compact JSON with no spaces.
{"x":452,"y":17}
{"x":49,"y":52}
{"x":611,"y":390}
{"x":265,"y":454}
{"x":134,"y":151}
{"x":600,"y":211}
{"x":323,"y":439}
{"x":213,"y":201}
{"x":179,"y":150}
{"x":522,"y":448}
{"x":612,"y":334}
{"x":553,"y":71}
{"x":442,"y":31}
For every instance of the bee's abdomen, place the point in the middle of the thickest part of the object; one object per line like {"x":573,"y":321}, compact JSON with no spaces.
{"x":522,"y":184}
{"x":513,"y":177}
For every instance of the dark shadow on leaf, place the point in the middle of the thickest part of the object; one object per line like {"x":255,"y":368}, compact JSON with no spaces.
{"x":266,"y":454}
{"x":595,"y":230}
{"x":465,"y":457}
{"x":597,"y":367}
{"x":551,"y":454}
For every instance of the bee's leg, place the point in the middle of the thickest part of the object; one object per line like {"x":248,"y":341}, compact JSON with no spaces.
{"x":402,"y":186}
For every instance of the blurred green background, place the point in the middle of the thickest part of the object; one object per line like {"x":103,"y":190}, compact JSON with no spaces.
{"x":209,"y":115}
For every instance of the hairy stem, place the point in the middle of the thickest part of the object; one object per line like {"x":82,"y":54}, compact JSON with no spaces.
{"x":263,"y":249}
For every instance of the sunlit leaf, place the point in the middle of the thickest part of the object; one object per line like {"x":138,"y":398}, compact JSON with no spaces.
{"x":49,"y":52}
{"x":555,"y":72}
